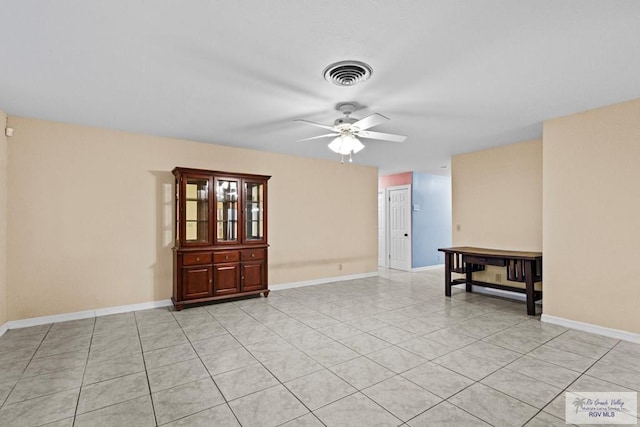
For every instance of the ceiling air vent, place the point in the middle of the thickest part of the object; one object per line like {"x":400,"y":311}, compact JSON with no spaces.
{"x":347,"y":73}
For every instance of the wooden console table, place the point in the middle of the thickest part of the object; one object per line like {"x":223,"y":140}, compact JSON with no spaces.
{"x":524,"y":267}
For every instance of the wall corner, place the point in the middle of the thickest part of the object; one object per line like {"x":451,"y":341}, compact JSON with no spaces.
{"x":3,"y":220}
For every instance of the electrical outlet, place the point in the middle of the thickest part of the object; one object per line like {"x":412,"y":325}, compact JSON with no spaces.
{"x":340,"y":267}
{"x":458,"y":227}
{"x":498,"y":277}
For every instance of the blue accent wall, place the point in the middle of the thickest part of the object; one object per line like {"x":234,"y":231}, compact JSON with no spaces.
{"x":431,"y":225}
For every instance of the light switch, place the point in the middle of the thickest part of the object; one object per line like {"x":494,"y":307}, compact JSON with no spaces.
{"x":416,"y":208}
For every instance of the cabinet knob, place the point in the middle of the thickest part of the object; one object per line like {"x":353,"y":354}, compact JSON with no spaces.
{"x":197,"y":258}
{"x":226,"y":257}
{"x":253,"y":255}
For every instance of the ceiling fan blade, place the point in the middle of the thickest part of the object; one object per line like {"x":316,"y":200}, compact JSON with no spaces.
{"x":320,"y":125}
{"x":381,"y":135}
{"x":374,"y":119}
{"x":326,"y":135}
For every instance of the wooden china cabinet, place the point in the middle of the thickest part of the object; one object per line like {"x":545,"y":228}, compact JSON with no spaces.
{"x":221,"y":236}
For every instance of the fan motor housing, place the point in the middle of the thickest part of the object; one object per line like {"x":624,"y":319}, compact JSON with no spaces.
{"x":344,"y":120}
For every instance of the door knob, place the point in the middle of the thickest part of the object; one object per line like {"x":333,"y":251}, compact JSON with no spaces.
{"x":406,"y":235}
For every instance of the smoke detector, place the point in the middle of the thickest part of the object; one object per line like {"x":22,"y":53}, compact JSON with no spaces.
{"x":347,"y":73}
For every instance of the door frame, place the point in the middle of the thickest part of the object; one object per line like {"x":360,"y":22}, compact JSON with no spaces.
{"x":387,"y":233}
{"x":385,"y":228}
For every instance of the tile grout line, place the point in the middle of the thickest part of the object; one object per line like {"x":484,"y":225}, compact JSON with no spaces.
{"x":226,"y":402}
{"x":146,"y":371}
{"x":25,"y":368}
{"x":86,"y":364}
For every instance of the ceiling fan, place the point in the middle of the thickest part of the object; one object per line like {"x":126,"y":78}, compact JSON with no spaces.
{"x":347,"y":130}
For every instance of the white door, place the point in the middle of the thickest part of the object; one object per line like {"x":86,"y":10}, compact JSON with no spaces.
{"x":400,"y":227}
{"x":382,"y":229}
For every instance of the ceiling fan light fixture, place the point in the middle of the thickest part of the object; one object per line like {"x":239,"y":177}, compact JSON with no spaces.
{"x":346,"y":131}
{"x":347,"y":73}
{"x":346,"y":144}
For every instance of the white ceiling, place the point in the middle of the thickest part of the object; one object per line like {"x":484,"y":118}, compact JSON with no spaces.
{"x":455,"y":76}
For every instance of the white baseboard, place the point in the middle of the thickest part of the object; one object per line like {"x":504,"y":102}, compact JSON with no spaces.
{"x":428,"y":267}
{"x":133,"y":307}
{"x":322,"y":281}
{"x":594,"y":329}
{"x":65,"y":317}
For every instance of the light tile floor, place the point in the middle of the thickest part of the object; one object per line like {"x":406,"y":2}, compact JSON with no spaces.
{"x":389,"y":350}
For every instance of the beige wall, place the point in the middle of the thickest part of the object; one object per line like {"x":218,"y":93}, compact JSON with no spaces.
{"x":592,"y":216}
{"x":91,"y":215}
{"x":3,"y":219}
{"x":497,"y":201}
{"x":497,"y":197}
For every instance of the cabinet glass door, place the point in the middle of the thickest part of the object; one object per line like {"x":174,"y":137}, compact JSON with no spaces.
{"x":196,"y":210}
{"x":227,"y":210}
{"x":254,"y":211}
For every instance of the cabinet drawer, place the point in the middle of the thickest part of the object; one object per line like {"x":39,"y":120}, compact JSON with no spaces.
{"x":197,"y":258}
{"x":251,"y":254}
{"x":226,"y":256}
{"x":484,"y":260}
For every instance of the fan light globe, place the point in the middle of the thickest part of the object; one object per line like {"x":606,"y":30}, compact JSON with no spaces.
{"x":356,"y":145}
{"x":346,"y":144}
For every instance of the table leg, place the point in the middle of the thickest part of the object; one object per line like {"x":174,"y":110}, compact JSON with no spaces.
{"x":529,"y":278}
{"x":468,"y":276}
{"x":447,"y":274}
